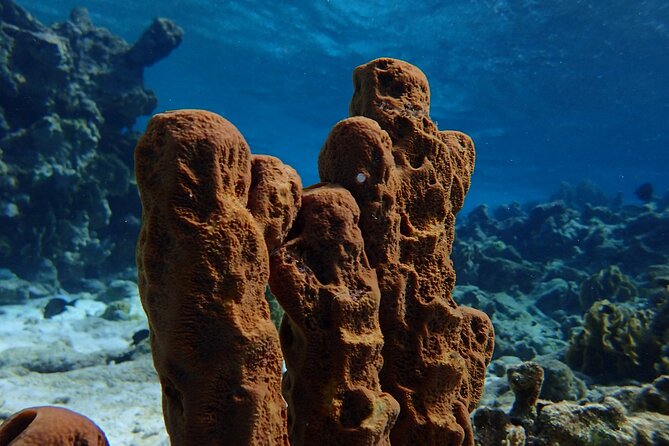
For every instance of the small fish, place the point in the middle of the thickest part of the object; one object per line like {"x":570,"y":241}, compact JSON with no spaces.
{"x":139,"y":336}
{"x":56,"y":306}
{"x":644,"y":192}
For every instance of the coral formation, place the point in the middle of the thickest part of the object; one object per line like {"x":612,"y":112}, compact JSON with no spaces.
{"x":604,"y":423}
{"x":526,"y":265}
{"x":69,"y":96}
{"x":494,"y":428}
{"x":624,"y":416}
{"x":202,"y":270}
{"x":654,"y":397}
{"x":616,"y":342}
{"x":525,"y":381}
{"x":560,"y":383}
{"x":560,"y":254}
{"x":409,"y":180}
{"x":610,"y":284}
{"x":50,"y":426}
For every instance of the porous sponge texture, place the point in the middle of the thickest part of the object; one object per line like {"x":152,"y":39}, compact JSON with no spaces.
{"x":377,"y":352}
{"x":330,"y":335}
{"x":409,"y":180}
{"x":50,"y":426}
{"x":203,"y":266}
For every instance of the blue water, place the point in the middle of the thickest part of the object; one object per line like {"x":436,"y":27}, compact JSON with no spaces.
{"x":550,"y":91}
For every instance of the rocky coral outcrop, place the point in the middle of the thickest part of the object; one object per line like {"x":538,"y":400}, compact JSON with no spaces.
{"x":69,"y":96}
{"x":581,"y":280}
{"x":603,"y":423}
{"x":537,"y":269}
{"x":570,"y":238}
{"x":525,"y":380}
{"x":560,"y":382}
{"x":632,"y":415}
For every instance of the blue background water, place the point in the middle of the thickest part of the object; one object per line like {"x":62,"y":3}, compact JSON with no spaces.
{"x":550,"y":91}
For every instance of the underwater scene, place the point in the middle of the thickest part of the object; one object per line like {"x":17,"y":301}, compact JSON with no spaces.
{"x":334,"y":222}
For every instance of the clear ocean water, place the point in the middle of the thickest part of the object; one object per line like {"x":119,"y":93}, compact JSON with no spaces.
{"x":550,"y":91}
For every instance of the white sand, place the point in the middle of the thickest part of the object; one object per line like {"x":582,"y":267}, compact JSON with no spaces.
{"x":123,"y":399}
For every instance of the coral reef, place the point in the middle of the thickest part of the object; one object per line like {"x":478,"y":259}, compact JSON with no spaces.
{"x":530,"y":266}
{"x":626,"y":416}
{"x":409,"y":180}
{"x":580,"y":279}
{"x":203,"y":267}
{"x":50,"y":426}
{"x":69,"y":96}
{"x":574,"y":239}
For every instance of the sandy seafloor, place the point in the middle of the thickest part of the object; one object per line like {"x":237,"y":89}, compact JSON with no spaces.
{"x":122,"y":398}
{"x":70,"y":360}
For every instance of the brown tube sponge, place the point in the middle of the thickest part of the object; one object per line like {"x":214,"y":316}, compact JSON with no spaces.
{"x":203,"y":266}
{"x":409,"y":180}
{"x":50,"y":426}
{"x":330,"y":334}
{"x":274,"y":198}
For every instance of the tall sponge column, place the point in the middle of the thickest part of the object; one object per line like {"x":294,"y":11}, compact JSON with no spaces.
{"x":330,"y":334}
{"x":203,"y":266}
{"x":409,"y":180}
